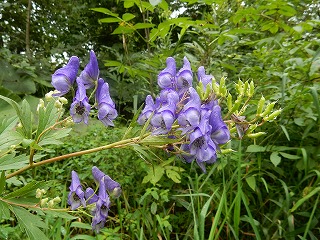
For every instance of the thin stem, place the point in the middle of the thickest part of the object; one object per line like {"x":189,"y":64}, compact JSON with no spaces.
{"x":118,"y":144}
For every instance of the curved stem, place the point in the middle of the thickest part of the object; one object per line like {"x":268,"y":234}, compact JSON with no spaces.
{"x":118,"y":144}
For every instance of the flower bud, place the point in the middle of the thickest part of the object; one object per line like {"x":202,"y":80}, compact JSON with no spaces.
{"x":252,"y":128}
{"x":273,"y":115}
{"x":237,"y":104}
{"x":51,"y":204}
{"x":260,"y":105}
{"x":40,"y":192}
{"x":58,"y":104}
{"x":239,"y":87}
{"x":215,"y":86}
{"x":40,"y":105}
{"x":255,"y":135}
{"x":63,"y":100}
{"x":43,"y":202}
{"x":57,"y":200}
{"x":251,"y":89}
{"x":48,"y":95}
{"x":222,"y":87}
{"x":227,"y":150}
{"x":245,"y":87}
{"x":268,"y":109}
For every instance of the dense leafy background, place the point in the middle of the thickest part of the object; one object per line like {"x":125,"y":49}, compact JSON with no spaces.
{"x":268,"y":189}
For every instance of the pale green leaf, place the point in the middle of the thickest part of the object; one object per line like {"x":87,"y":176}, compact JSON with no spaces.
{"x":275,"y":158}
{"x":128,"y":16}
{"x":255,"y":148}
{"x":251,"y":182}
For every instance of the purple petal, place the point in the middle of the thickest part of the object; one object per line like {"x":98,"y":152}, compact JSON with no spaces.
{"x":184,"y":76}
{"x":166,"y":78}
{"x":90,"y":73}
{"x":203,"y":77}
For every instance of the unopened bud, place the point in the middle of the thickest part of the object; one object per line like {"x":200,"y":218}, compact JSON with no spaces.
{"x":255,"y":135}
{"x":57,"y":200}
{"x":51,"y":204}
{"x":19,"y":125}
{"x":273,"y":115}
{"x":251,"y":128}
{"x":48,"y":95}
{"x":222,"y":87}
{"x":260,"y":105}
{"x":268,"y":109}
{"x":43,"y":202}
{"x":239,"y":87}
{"x":40,"y":192}
{"x":251,"y":89}
{"x":237,"y":104}
{"x":227,"y":150}
{"x":40,"y":105}
{"x":58,"y":104}
{"x":245,"y":88}
{"x":63,"y":100}
{"x":116,"y":192}
{"x":215,"y":86}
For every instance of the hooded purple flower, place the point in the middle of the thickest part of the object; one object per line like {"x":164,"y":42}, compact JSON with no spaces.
{"x":220,"y":133}
{"x":76,"y":195}
{"x":189,"y":117}
{"x":113,"y":187}
{"x":80,"y":107}
{"x":167,"y":77}
{"x":89,"y":76}
{"x":149,"y":108}
{"x":106,"y":107}
{"x":203,"y":77}
{"x":184,"y":77}
{"x":90,"y":196}
{"x":64,"y":77}
{"x":102,"y":208}
{"x":163,"y":118}
{"x":201,"y":146}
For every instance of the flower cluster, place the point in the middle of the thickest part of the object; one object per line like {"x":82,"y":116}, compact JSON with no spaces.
{"x":64,"y":79}
{"x":199,"y":120}
{"x":100,"y":202}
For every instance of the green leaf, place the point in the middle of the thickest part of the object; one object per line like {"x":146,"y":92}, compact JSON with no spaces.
{"x":105,"y":11}
{"x":289,"y":156}
{"x":173,"y":175}
{"x":62,"y":215}
{"x":9,"y":162}
{"x":2,"y":182}
{"x":52,"y":136}
{"x":155,"y":173}
{"x":9,"y":139}
{"x":255,"y":148}
{"x":30,"y":188}
{"x":153,"y":208}
{"x":155,"y":2}
{"x":26,"y":119}
{"x":30,"y":223}
{"x":143,"y":25}
{"x":128,"y":16}
{"x":128,"y":3}
{"x":123,"y":30}
{"x":109,"y":20}
{"x":81,"y":225}
{"x":275,"y":158}
{"x":305,"y":198}
{"x":251,"y":182}
{"x":4,"y":210}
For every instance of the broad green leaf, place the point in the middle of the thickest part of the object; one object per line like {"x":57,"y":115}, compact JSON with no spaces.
{"x":109,"y":20}
{"x":54,"y":135}
{"x":2,"y":182}
{"x":81,"y":225}
{"x":289,"y":156}
{"x":10,"y":161}
{"x":8,"y":124}
{"x":9,"y":139}
{"x":105,"y":11}
{"x":153,"y":208}
{"x":128,"y":16}
{"x":275,"y":158}
{"x":26,"y":118}
{"x":113,"y":63}
{"x":128,"y":4}
{"x":155,"y":173}
{"x":143,"y":25}
{"x":251,"y":182}
{"x":30,"y":223}
{"x":255,"y":148}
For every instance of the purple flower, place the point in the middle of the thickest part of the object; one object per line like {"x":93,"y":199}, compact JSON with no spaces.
{"x":90,"y":196}
{"x":220,"y":133}
{"x":163,"y":118}
{"x":76,"y":195}
{"x":89,"y":76}
{"x":166,"y":78}
{"x":106,"y":107}
{"x":184,"y":77}
{"x":102,"y":208}
{"x":202,"y":77}
{"x":112,"y":186}
{"x":189,"y":117}
{"x":80,"y":107}
{"x":149,"y":108}
{"x":64,"y":77}
{"x":201,"y":147}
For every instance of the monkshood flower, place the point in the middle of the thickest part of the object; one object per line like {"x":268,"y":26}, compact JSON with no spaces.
{"x":184,"y":77}
{"x":64,"y":77}
{"x":113,"y":187}
{"x":102,"y":207}
{"x":201,"y":147}
{"x":76,"y":195}
{"x":203,"y":77}
{"x":149,"y":108}
{"x":189,"y":116}
{"x":80,"y":107}
{"x":106,"y":107}
{"x":220,"y":133}
{"x":89,"y":76}
{"x":90,"y":196}
{"x":164,"y":117}
{"x":167,"y":77}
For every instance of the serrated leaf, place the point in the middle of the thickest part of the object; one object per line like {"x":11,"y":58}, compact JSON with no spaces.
{"x":155,"y":173}
{"x":30,"y":223}
{"x":9,"y":162}
{"x":4,"y":210}
{"x":30,"y":188}
{"x":275,"y":158}
{"x":53,"y":136}
{"x":173,"y":175}
{"x":8,"y":139}
{"x":47,"y":117}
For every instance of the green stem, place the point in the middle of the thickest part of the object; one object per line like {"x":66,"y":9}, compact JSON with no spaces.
{"x":118,"y":144}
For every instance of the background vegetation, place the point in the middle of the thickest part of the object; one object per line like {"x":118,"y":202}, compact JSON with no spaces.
{"x":267,"y":189}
